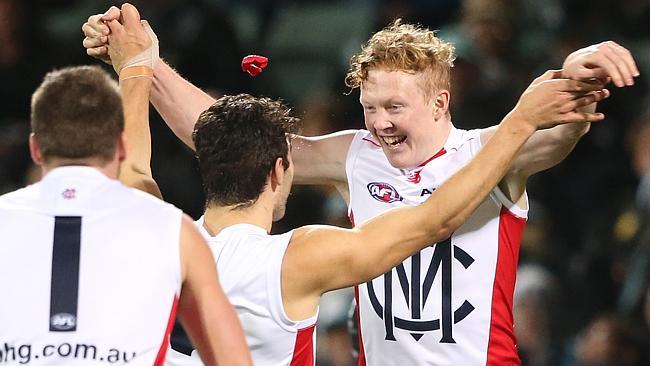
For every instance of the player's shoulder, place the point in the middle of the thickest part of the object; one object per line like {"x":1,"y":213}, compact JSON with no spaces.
{"x":251,"y":234}
{"x":20,"y":197}
{"x":147,"y":199}
{"x":142,"y":199}
{"x":459,"y":137}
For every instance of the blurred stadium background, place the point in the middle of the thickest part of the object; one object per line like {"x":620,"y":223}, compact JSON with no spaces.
{"x":582,"y":295}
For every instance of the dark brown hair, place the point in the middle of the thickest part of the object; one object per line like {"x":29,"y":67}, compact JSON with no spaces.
{"x":238,"y":140}
{"x":77,"y":114}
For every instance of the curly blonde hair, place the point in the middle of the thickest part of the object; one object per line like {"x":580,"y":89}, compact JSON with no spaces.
{"x":404,"y":47}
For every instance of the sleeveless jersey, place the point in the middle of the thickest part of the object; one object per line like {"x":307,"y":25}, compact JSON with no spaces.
{"x":451,"y":303}
{"x":249,"y":262}
{"x":89,"y":272}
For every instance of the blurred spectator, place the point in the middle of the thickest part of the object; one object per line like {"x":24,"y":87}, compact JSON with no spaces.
{"x":538,"y":316}
{"x":611,"y":340}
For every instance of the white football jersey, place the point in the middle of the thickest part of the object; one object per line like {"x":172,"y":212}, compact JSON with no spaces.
{"x":89,"y":272}
{"x":451,"y":303}
{"x":249,"y":261}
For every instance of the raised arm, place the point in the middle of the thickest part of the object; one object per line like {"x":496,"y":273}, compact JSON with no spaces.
{"x":178,"y":101}
{"x":206,"y":314}
{"x":132,"y":51}
{"x":318,"y":160}
{"x":339,"y":258}
{"x":603,"y":62}
{"x":135,"y":171}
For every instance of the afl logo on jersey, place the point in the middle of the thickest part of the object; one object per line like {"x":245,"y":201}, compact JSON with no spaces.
{"x":384,"y":192}
{"x":63,"y":321}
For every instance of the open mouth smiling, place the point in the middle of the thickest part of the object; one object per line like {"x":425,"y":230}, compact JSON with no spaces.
{"x":393,"y":141}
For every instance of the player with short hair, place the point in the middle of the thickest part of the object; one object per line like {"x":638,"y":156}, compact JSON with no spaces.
{"x":92,"y":271}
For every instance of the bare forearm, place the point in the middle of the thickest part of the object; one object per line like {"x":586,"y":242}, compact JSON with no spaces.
{"x":547,"y":148}
{"x":135,"y":97}
{"x":178,"y":102}
{"x":135,"y":171}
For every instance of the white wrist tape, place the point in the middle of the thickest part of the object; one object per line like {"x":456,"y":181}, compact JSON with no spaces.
{"x":148,"y":57}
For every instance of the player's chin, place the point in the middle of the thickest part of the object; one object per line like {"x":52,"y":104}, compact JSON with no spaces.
{"x":278,"y":213}
{"x":398,"y":159}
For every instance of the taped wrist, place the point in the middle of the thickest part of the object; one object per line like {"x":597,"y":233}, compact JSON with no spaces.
{"x":148,"y":57}
{"x":132,"y":72}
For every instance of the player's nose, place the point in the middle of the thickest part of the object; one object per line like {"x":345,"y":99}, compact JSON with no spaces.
{"x":382,"y":121}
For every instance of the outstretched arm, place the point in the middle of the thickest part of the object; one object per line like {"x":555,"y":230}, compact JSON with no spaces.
{"x":340,"y":258}
{"x":597,"y":63}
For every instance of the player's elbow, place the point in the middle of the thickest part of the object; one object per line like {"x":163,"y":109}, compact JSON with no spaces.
{"x":446,"y":230}
{"x":447,"y":227}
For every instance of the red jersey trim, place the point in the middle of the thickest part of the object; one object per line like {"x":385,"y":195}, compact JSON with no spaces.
{"x":413,"y":176}
{"x":370,"y":141}
{"x":162,"y":352}
{"x":362,"y":353}
{"x":502,"y":344}
{"x":440,"y":153}
{"x":303,"y":351}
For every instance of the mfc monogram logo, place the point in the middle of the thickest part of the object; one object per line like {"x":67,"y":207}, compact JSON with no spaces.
{"x":416,"y":295}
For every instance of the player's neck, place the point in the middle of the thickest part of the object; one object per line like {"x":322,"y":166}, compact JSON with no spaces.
{"x":439,"y":139}
{"x":110,"y":169}
{"x":217,"y":218}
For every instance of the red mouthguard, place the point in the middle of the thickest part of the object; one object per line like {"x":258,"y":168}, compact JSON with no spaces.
{"x":254,"y":64}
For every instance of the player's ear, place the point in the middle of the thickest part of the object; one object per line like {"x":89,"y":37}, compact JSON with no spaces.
{"x":441,"y":103}
{"x":277,"y":174}
{"x":35,"y":150}
{"x":121,"y":147}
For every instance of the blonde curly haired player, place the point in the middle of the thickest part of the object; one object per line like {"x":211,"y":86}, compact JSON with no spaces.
{"x":450,"y":303}
{"x":405,"y":47}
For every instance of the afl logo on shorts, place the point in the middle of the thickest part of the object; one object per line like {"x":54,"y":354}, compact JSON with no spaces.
{"x":63,"y":321}
{"x":384,"y":192}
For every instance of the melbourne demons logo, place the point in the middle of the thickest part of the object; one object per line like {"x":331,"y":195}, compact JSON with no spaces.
{"x":416,"y":295}
{"x":384,"y":192}
{"x":69,"y":193}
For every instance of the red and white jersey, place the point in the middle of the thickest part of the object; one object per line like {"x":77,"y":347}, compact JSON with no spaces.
{"x":89,"y":271}
{"x":249,"y":261}
{"x":451,"y":303}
